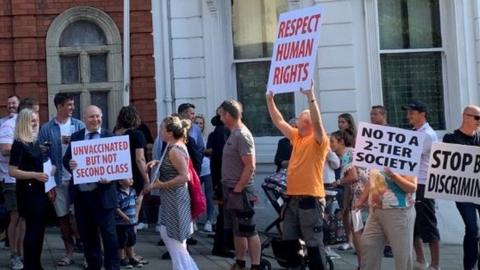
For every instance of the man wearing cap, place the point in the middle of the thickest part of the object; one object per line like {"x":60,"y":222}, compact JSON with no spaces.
{"x":468,"y":134}
{"x":425,"y":222}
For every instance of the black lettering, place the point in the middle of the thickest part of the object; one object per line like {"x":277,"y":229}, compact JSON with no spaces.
{"x":413,"y":141}
{"x":467,"y":160}
{"x":436,"y":161}
{"x":369,"y":146}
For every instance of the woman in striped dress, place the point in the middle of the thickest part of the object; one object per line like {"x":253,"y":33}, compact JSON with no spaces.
{"x":175,"y":222}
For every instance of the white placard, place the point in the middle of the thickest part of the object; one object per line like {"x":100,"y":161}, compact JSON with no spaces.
{"x":104,"y":158}
{"x":377,"y":147}
{"x":295,"y":50}
{"x":47,"y":169}
{"x":453,"y":173}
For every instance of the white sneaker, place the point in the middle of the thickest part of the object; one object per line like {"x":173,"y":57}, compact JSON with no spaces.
{"x":208,"y":226}
{"x":157,"y":228}
{"x":142,"y":226}
{"x":16,"y":263}
{"x":420,"y":266}
{"x":344,"y":247}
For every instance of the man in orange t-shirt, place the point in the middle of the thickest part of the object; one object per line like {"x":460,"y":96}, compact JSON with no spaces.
{"x":305,"y":191}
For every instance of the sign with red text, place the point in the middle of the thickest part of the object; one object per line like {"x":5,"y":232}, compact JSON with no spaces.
{"x":104,"y":158}
{"x":377,"y":147}
{"x":453,"y":173}
{"x":295,"y":50}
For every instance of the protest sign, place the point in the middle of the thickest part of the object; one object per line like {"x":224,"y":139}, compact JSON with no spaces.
{"x":104,"y":158}
{"x":295,"y":50}
{"x":47,"y":169}
{"x":453,"y":173}
{"x":377,"y":147}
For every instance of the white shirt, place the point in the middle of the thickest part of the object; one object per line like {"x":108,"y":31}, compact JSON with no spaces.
{"x":7,"y":130}
{"x":66,"y":129}
{"x":430,"y":138}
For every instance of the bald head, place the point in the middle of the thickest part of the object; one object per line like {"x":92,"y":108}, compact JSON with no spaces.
{"x":92,"y":116}
{"x":471,"y":119}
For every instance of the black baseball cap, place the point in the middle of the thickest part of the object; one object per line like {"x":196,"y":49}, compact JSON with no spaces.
{"x":416,"y":105}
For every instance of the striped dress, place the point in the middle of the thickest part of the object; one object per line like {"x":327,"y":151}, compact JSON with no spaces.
{"x":175,"y":202}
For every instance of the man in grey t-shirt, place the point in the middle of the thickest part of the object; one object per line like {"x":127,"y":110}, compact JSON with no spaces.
{"x":238,"y":168}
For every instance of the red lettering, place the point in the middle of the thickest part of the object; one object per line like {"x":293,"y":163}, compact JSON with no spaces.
{"x":305,"y":72}
{"x":281,"y":30}
{"x":277,"y":77}
{"x":317,"y":17}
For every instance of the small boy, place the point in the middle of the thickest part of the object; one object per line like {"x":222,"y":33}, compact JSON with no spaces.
{"x":126,"y":221}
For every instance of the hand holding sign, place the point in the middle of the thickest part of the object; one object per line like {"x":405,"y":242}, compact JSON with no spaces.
{"x":377,"y":147}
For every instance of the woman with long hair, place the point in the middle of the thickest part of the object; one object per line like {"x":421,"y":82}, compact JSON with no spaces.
{"x":26,"y":165}
{"x":127,"y":122}
{"x":352,"y":177}
{"x":176,"y":219}
{"x":346,"y":122}
{"x":206,"y":178}
{"x":392,"y":216}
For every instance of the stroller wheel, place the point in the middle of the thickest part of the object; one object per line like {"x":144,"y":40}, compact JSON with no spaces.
{"x":265,"y":264}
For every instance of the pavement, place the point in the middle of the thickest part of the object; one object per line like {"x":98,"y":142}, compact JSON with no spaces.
{"x":451,"y":255}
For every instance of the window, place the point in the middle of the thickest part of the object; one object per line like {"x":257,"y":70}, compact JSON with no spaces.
{"x":411,"y":58}
{"x":84,"y":59}
{"x":254,"y":23}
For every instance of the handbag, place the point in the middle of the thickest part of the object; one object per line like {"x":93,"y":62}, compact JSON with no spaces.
{"x":197,"y":198}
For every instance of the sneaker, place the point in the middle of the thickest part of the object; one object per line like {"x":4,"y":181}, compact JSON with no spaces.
{"x":235,"y":266}
{"x":16,"y":263}
{"x":135,"y":263}
{"x":332,"y":254}
{"x":141,"y":226}
{"x":157,"y":228}
{"x":125,"y":264}
{"x":420,"y":266}
{"x":387,"y":252}
{"x":344,"y":247}
{"x":208,"y":226}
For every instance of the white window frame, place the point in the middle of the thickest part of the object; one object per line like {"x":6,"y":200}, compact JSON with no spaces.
{"x":113,"y":49}
{"x":373,"y":56}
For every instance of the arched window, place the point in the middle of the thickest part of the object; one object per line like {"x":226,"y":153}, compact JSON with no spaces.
{"x":84,"y":59}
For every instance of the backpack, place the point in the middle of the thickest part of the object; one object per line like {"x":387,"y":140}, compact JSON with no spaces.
{"x":197,"y":198}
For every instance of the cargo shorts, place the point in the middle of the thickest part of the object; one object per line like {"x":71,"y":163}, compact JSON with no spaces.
{"x":303,"y":219}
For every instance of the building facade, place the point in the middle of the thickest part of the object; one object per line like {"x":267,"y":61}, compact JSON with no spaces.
{"x":205,"y":51}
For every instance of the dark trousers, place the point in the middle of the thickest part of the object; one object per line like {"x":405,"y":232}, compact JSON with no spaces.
{"x":468,"y":211}
{"x":93,"y":219}
{"x":35,"y":212}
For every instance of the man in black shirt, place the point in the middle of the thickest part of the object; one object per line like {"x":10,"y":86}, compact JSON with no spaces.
{"x":468,"y":134}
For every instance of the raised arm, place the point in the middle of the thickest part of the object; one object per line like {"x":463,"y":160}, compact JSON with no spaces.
{"x":277,"y":117}
{"x":317,"y":123}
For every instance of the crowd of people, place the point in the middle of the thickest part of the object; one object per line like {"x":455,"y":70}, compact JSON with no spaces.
{"x":101,"y":218}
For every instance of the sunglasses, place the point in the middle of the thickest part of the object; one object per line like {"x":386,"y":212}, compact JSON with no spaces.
{"x":476,"y":117}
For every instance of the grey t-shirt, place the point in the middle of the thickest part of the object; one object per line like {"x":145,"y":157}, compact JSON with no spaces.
{"x":240,"y":143}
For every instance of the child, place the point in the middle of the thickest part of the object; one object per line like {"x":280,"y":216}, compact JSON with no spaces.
{"x":126,"y":221}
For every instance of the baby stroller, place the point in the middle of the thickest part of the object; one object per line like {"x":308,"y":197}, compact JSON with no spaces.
{"x":284,"y":253}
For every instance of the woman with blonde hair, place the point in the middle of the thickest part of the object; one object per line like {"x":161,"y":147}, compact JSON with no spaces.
{"x":176,"y":219}
{"x":26,"y":165}
{"x":206,"y":177}
{"x":392,"y":215}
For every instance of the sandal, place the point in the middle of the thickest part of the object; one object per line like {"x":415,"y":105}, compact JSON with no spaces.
{"x":65,"y":261}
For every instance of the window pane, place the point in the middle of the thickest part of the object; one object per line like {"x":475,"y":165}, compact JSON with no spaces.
{"x":254,"y":23}
{"x":413,"y":76}
{"x":76,"y":102}
{"x":82,"y":33}
{"x":251,"y":81}
{"x":70,"y":69}
{"x":100,"y":99}
{"x":98,"y":68}
{"x":408,"y":24}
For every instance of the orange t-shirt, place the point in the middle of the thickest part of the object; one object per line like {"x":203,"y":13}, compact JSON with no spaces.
{"x":305,"y":168}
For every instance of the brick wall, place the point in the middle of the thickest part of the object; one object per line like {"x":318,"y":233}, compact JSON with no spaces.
{"x":22,"y":49}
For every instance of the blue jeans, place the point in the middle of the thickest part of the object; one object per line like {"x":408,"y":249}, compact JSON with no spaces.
{"x":468,"y":211}
{"x":208,"y":189}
